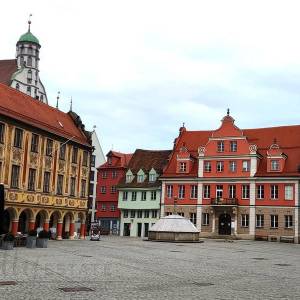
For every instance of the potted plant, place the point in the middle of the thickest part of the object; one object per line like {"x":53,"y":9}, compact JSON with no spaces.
{"x":42,"y":239}
{"x":31,"y":239}
{"x":8,"y":241}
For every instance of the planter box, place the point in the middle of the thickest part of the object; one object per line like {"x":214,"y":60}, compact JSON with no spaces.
{"x":41,"y":243}
{"x":31,"y":242}
{"x":7,"y":245}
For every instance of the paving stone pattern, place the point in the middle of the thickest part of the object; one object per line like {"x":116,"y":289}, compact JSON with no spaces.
{"x":128,"y":268}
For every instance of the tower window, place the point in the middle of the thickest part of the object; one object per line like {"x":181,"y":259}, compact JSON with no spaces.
{"x":30,"y":50}
{"x":17,"y":87}
{"x":29,"y":61}
{"x":29,"y":90}
{"x":29,"y":76}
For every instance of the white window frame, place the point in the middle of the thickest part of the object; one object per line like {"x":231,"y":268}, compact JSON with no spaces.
{"x":219,"y":191}
{"x":245,"y":191}
{"x":193,"y":218}
{"x":260,"y":191}
{"x":260,"y":221}
{"x":140,"y":178}
{"x":169,"y":191}
{"x":205,"y":217}
{"x":153,"y":195}
{"x":207,"y":166}
{"x":232,"y":166}
{"x":133,"y":196}
{"x":274,"y":221}
{"x":181,"y":191}
{"x":232,"y":191}
{"x":220,"y":146}
{"x":233,"y":146}
{"x":206,"y":191}
{"x":246,"y":166}
{"x":125,"y":196}
{"x":275,"y":165}
{"x":144,"y":196}
{"x":152,"y":177}
{"x":288,"y":221}
{"x":220,"y":166}
{"x":288,"y":192}
{"x":182,"y":166}
{"x":244,"y":220}
{"x":274,"y":191}
{"x":194,"y":191}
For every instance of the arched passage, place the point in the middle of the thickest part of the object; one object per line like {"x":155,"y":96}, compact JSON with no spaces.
{"x":40,"y":219}
{"x":25,"y":221}
{"x":81,"y":221}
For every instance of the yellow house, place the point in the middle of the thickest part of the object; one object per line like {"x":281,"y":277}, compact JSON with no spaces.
{"x":44,"y":166}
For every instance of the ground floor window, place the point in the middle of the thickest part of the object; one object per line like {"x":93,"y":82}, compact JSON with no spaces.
{"x":168,"y":213}
{"x":205,"y":219}
{"x":193,"y":218}
{"x":132,"y":214}
{"x":125,"y":213}
{"x":181,"y":214}
{"x":140,"y":214}
{"x":154,"y":213}
{"x":259,"y":221}
{"x":274,"y":221}
{"x":146,"y":214}
{"x":245,"y":220}
{"x":288,"y":221}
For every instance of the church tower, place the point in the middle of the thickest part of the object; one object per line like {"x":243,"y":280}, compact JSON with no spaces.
{"x":26,"y":79}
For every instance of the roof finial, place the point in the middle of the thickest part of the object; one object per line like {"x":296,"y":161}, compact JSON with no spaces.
{"x":183,"y":124}
{"x":71,"y":104}
{"x":228,"y":111}
{"x":29,"y":22}
{"x":57,"y":98}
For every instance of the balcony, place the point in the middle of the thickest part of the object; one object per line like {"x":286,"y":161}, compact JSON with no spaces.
{"x":224,"y":201}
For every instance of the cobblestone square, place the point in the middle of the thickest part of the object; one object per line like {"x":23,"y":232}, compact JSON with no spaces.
{"x":128,"y":268}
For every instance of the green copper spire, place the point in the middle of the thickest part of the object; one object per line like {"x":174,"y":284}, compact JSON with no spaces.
{"x":28,"y":36}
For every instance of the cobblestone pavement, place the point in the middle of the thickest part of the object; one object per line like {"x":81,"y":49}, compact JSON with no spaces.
{"x":128,"y":268}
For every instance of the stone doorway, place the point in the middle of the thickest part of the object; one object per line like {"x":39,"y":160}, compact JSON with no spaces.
{"x":225,"y":224}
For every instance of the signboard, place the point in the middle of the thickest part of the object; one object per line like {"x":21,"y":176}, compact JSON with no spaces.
{"x":95,"y":231}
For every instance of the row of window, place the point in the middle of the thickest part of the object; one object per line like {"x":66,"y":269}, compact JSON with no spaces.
{"x":105,"y":207}
{"x":105,"y":174}
{"x":28,"y":50}
{"x":18,"y":141}
{"x":113,"y":189}
{"x":232,"y":191}
{"x":140,"y":214}
{"x":142,"y":198}
{"x":141,"y":178}
{"x":232,"y":146}
{"x":232,"y":166}
{"x":260,"y":220}
{"x":15,"y":178}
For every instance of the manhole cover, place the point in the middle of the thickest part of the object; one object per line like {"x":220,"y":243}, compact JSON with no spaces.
{"x":202,"y":284}
{"x":8,"y":283}
{"x":283,"y":265}
{"x":176,"y":251}
{"x":259,"y":258}
{"x":85,"y":255}
{"x":76,"y":289}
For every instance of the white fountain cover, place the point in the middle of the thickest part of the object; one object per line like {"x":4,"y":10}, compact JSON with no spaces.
{"x":174,"y":223}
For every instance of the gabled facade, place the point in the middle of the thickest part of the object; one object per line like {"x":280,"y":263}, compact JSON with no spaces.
{"x":108,"y":176}
{"x":140,"y":192}
{"x":236,"y":182}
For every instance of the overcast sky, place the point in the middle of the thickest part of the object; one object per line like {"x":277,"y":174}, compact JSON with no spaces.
{"x":138,"y":69}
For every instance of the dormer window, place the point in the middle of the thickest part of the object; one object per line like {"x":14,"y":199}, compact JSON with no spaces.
{"x":274,"y":165}
{"x":233,"y":146}
{"x":182,"y":167}
{"x":220,"y":147}
{"x":140,"y":178}
{"x":109,"y":161}
{"x":152,"y":177}
{"x":129,"y":178}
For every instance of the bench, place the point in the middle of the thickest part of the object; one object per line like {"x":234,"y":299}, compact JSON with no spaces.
{"x":259,"y":237}
{"x":287,"y":239}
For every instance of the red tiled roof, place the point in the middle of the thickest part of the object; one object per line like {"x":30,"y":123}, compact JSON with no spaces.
{"x":26,"y":109}
{"x":288,"y":138}
{"x":122,"y":163}
{"x":7,"y":68}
